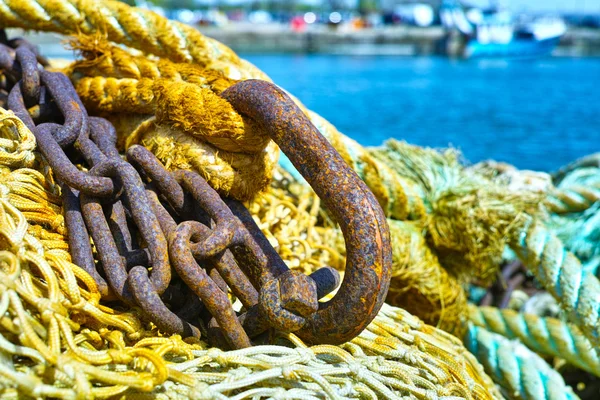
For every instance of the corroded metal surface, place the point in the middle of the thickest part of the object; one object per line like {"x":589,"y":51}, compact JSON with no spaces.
{"x":213,"y":298}
{"x":369,"y":255}
{"x":79,"y":238}
{"x":144,"y":220}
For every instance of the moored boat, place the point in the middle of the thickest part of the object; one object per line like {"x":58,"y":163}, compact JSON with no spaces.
{"x":495,"y":33}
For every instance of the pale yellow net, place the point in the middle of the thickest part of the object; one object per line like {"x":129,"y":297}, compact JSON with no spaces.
{"x":57,"y":340}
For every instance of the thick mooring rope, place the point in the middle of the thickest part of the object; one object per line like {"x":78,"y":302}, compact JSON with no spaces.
{"x":589,"y":161}
{"x":548,"y":336}
{"x":521,"y":373}
{"x":577,"y":191}
{"x":174,"y":109}
{"x":561,"y":273}
{"x":134,"y":27}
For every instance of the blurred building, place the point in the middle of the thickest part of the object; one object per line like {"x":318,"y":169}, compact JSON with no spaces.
{"x":389,"y":5}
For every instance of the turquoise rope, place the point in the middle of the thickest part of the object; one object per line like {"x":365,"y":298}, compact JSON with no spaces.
{"x":547,"y":336}
{"x":521,"y":374}
{"x":576,"y":192}
{"x":562,"y":275}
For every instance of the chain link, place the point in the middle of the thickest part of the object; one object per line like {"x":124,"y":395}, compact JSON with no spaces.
{"x":146,"y":221}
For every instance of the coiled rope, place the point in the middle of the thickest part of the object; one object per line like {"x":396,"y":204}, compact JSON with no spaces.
{"x":548,"y":336}
{"x":521,"y":373}
{"x":577,"y":191}
{"x":175,"y":110}
{"x":561,"y":274}
{"x":134,"y":27}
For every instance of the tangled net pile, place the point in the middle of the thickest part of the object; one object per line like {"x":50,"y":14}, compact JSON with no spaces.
{"x":450,"y":224}
{"x":58,"y":341}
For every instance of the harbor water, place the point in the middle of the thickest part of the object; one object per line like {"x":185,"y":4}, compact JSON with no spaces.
{"x":534,"y":114}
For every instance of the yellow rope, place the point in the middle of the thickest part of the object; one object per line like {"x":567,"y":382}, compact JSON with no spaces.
{"x":420,"y":284}
{"x":56,"y":340}
{"x":237,"y":175}
{"x":212,"y":119}
{"x":134,"y":27}
{"x":175,"y":111}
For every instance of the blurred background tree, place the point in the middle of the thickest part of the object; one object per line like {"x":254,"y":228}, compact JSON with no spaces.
{"x":368,"y":6}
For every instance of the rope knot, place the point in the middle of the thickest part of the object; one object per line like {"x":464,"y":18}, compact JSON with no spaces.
{"x":358,"y":370}
{"x":432,"y":395}
{"x":305,"y":354}
{"x":411,"y":356}
{"x":203,"y":391}
{"x":57,"y":222}
{"x":79,"y":306}
{"x":4,"y":191}
{"x":289,"y":372}
{"x":48,"y":306}
{"x":119,"y":356}
{"x":134,"y":336}
{"x":238,"y":374}
{"x":372,"y":362}
{"x":24,"y":151}
{"x":218,"y":356}
{"x":68,"y":368}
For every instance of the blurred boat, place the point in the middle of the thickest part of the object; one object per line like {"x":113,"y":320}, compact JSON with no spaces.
{"x":495,"y":33}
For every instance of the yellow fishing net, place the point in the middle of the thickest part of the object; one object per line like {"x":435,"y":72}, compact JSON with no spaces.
{"x":448,"y":225}
{"x":58,"y":341}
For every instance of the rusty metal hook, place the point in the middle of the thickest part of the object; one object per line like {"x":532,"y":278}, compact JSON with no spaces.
{"x":354,"y":207}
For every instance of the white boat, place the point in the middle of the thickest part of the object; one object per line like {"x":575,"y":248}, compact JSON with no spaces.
{"x":496,"y":33}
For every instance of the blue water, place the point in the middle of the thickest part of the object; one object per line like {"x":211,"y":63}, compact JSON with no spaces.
{"x":535,"y":114}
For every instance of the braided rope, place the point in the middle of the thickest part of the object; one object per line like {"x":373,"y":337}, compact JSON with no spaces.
{"x":186,"y":96}
{"x":193,"y":127}
{"x":589,"y":161}
{"x":521,"y":373}
{"x":548,"y":336}
{"x":561,"y":273}
{"x":194,"y":110}
{"x":575,"y":198}
{"x":577,"y":191}
{"x":103,"y":58}
{"x":134,"y":27}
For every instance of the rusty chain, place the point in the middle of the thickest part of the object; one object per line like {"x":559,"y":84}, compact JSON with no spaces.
{"x":167,"y":243}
